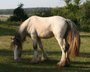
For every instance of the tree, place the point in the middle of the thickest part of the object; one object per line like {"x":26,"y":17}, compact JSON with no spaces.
{"x":76,"y":2}
{"x":85,"y":16}
{"x":67,"y":3}
{"x":72,"y":4}
{"x":19,"y":14}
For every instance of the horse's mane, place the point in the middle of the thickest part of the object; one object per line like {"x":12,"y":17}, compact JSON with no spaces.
{"x":17,"y":38}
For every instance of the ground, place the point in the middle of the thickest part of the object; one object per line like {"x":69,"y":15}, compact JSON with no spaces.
{"x":7,"y":64}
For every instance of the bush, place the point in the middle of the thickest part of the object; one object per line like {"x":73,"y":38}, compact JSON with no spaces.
{"x":19,"y":14}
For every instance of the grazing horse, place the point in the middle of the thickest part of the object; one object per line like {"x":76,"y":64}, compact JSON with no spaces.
{"x":64,"y":30}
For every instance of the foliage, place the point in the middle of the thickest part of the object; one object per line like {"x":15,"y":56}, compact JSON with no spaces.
{"x":19,"y":14}
{"x":80,"y":14}
{"x":44,"y":12}
{"x":85,"y":16}
{"x":67,"y":3}
{"x":72,"y":4}
{"x":76,"y":2}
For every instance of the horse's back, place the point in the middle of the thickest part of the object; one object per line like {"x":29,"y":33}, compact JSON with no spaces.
{"x":47,"y":20}
{"x":47,"y":26}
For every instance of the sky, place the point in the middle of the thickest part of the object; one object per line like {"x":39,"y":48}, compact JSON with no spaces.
{"x":12,"y":4}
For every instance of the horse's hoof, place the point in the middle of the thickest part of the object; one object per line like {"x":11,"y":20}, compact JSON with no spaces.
{"x":44,"y":59}
{"x":34,"y":61}
{"x":63,"y":64}
{"x":18,"y":60}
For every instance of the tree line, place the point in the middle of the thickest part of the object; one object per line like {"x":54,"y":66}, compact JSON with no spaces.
{"x":74,"y":10}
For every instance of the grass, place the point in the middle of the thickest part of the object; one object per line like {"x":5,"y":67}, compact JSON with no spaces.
{"x":4,"y":17}
{"x":7,"y":64}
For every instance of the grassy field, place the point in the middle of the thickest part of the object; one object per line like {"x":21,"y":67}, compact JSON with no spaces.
{"x":4,"y":17}
{"x":7,"y":64}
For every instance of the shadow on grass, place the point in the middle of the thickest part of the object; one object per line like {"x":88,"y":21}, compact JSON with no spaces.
{"x":85,"y":36}
{"x":40,"y":68}
{"x":86,"y":55}
{"x":5,"y":52}
{"x":8,"y":28}
{"x":6,"y":31}
{"x":50,"y":53}
{"x":80,"y":64}
{"x":46,"y":66}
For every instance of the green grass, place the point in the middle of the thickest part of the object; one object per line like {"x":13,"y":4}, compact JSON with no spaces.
{"x":7,"y":64}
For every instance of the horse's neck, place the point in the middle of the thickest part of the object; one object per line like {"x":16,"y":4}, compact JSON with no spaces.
{"x":18,"y":37}
{"x":22,"y":29}
{"x":23,"y":26}
{"x":22,"y":35}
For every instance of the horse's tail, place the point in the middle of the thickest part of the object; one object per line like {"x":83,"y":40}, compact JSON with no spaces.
{"x":73,"y":39}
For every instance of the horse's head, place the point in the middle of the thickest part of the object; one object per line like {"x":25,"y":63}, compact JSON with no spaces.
{"x":17,"y":47}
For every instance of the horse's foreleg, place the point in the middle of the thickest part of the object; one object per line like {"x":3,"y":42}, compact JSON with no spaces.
{"x":64,"y":57}
{"x":44,"y":55}
{"x":35,"y":58}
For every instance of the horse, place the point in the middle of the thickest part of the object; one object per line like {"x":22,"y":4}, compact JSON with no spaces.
{"x":64,"y":30}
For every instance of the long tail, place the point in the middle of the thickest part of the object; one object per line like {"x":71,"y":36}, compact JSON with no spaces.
{"x":73,"y":39}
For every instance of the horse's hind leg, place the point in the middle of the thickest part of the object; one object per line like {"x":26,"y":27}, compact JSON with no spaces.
{"x":64,"y":57}
{"x":44,"y":55}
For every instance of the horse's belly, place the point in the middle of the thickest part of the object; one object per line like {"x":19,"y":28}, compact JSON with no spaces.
{"x":45,"y":34}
